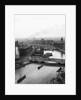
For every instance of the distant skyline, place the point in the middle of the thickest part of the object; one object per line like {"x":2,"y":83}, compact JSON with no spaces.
{"x":39,"y":26}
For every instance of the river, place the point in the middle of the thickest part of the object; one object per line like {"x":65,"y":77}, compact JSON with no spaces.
{"x":56,"y":54}
{"x":41,"y":76}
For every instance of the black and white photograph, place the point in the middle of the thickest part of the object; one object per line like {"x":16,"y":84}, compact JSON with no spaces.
{"x":40,"y":43}
{"x":40,"y":49}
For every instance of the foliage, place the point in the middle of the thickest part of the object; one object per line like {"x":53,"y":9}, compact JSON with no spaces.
{"x":59,"y":79}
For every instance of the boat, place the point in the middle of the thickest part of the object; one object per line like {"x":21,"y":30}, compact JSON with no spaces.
{"x":40,"y":67}
{"x":21,"y":79}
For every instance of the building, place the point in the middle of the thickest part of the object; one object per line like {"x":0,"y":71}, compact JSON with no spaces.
{"x":39,"y":51}
{"x":17,"y":53}
{"x":25,"y":51}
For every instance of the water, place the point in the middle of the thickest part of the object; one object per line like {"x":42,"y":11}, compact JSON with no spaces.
{"x":35,"y":76}
{"x":56,"y":54}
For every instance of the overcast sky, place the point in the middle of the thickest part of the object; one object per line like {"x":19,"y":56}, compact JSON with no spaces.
{"x":29,"y":26}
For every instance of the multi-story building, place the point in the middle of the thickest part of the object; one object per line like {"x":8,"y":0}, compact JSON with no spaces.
{"x":17,"y":53}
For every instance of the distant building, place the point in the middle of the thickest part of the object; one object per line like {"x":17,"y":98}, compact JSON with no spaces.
{"x":61,"y":39}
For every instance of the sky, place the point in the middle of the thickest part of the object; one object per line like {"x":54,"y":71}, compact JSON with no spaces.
{"x":39,"y":26}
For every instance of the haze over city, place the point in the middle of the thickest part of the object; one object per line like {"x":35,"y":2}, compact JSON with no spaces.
{"x":39,"y":26}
